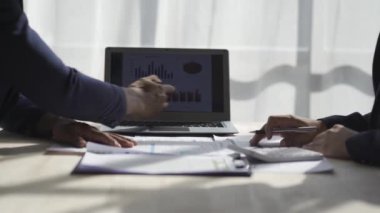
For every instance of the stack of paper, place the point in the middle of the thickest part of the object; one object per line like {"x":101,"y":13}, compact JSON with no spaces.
{"x":163,"y":158}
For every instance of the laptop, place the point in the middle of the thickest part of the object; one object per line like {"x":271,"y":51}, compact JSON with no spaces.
{"x":201,"y":102}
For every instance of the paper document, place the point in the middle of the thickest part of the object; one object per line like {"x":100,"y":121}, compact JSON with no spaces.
{"x":162,"y":164}
{"x":164,"y":148}
{"x":171,"y":139}
{"x":155,"y":155}
{"x":243,"y":140}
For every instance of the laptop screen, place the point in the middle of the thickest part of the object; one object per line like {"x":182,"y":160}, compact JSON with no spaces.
{"x":199,"y":75}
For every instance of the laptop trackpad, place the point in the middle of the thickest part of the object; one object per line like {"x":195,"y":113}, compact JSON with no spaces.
{"x":169,"y":128}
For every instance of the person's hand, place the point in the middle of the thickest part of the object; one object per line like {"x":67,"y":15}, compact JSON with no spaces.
{"x":77,"y":134}
{"x":289,"y":138}
{"x":331,"y":143}
{"x":147,"y":97}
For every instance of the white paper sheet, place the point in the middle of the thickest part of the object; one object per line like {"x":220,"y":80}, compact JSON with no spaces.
{"x":172,"y":139}
{"x":243,"y":140}
{"x":168,"y":148}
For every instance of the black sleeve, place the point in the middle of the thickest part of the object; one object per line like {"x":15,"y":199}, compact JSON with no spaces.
{"x":354,"y":121}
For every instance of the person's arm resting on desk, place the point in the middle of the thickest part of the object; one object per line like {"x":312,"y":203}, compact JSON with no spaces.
{"x":25,"y":118}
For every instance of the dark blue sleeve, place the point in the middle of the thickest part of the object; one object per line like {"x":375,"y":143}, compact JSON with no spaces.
{"x":29,"y":65}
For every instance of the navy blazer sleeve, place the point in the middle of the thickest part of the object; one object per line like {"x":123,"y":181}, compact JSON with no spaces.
{"x":29,"y":66}
{"x":364,"y":147}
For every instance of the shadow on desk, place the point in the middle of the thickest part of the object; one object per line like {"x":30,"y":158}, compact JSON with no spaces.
{"x":24,"y":144}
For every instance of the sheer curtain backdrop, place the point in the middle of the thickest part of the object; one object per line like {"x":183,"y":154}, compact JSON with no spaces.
{"x":304,"y":57}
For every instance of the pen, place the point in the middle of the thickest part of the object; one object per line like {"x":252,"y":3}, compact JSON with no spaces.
{"x":301,"y":129}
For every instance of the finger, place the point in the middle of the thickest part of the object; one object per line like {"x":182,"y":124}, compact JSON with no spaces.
{"x":91,"y":134}
{"x":256,"y":139}
{"x":154,"y":78}
{"x":161,"y":102}
{"x":273,"y":122}
{"x":162,"y":98}
{"x":268,"y":130}
{"x":124,"y":141}
{"x":284,"y":121}
{"x":148,"y":85}
{"x":103,"y":138}
{"x":168,"y":88}
{"x":278,"y":122}
{"x":289,"y":142}
{"x":81,"y":142}
{"x":129,"y":139}
{"x":291,"y":139}
{"x":77,"y":141}
{"x":166,"y":104}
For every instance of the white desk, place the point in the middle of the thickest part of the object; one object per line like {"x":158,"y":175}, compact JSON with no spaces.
{"x":31,"y":181}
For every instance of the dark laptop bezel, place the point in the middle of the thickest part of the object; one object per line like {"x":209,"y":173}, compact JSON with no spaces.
{"x":180,"y":116}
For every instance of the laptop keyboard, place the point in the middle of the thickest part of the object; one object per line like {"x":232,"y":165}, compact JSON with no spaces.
{"x":174,"y":124}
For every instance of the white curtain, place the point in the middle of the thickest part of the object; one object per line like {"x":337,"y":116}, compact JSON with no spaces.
{"x":303,"y":57}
